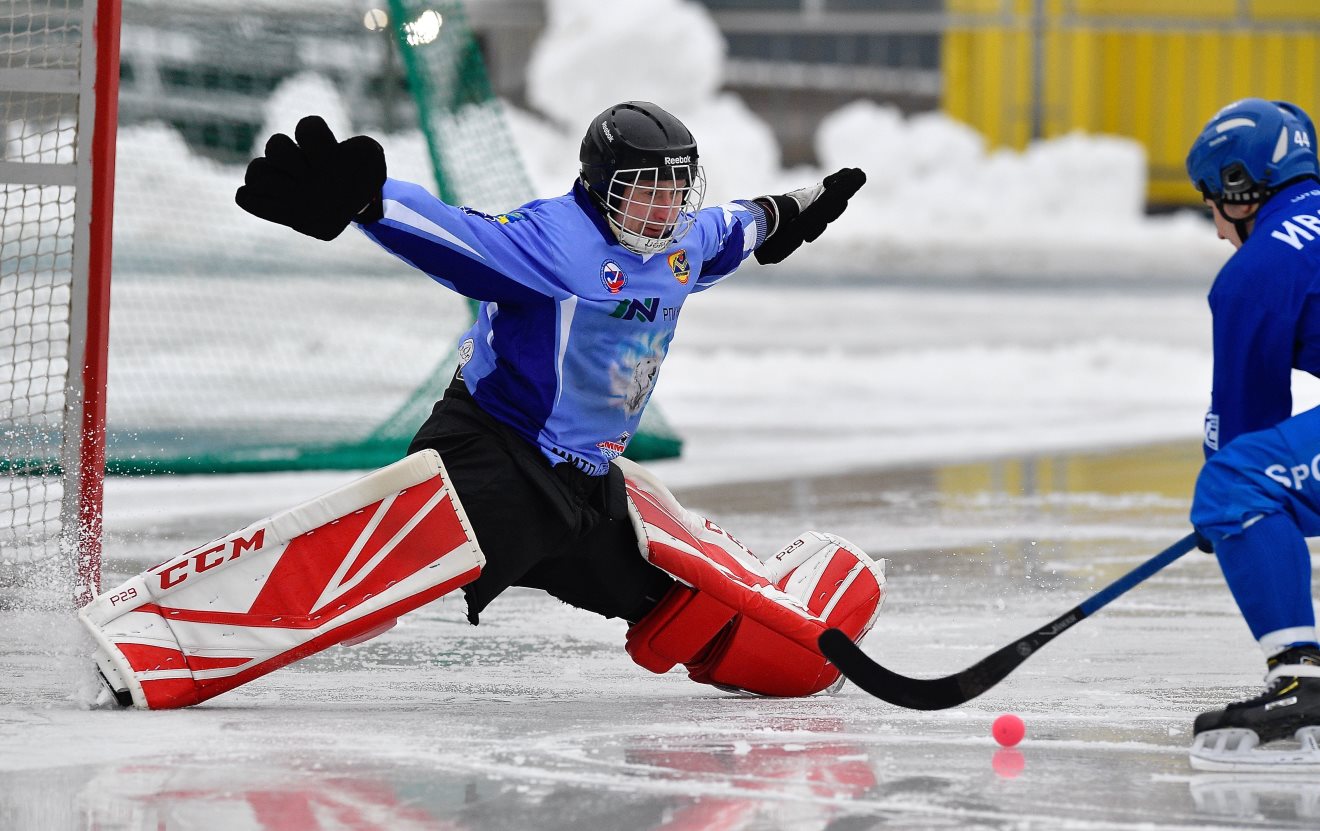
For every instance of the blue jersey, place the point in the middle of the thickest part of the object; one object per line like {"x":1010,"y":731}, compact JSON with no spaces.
{"x":1266,"y":308}
{"x":572,"y":326}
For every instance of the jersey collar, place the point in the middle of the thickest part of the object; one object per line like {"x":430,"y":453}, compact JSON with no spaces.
{"x":1284,"y":198}
{"x":589,"y":208}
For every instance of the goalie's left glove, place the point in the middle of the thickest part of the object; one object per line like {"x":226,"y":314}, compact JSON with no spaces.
{"x":801,"y":215}
{"x":313,"y":183}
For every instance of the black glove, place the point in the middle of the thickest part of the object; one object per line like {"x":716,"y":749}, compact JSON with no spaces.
{"x":801,"y":216}
{"x":317,"y":185}
{"x":1203,"y":543}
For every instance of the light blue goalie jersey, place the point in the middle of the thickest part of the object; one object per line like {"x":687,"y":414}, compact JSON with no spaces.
{"x":572,"y":327}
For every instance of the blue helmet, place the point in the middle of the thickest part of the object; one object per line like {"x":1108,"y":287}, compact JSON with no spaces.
{"x":1250,"y":149}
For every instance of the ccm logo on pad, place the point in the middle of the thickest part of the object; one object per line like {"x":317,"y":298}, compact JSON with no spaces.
{"x":181,"y":569}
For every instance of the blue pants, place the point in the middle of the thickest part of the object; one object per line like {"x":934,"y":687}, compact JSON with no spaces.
{"x":1257,"y":500}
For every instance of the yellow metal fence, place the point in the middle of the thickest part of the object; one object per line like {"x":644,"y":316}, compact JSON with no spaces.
{"x":1153,"y":70}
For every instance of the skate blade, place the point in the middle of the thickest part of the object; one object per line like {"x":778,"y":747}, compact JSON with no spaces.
{"x":113,"y":687}
{"x":833,"y":689}
{"x":1238,"y":749}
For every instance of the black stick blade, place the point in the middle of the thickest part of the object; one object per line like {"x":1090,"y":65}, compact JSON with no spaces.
{"x":900,"y":690}
{"x":937,"y":693}
{"x":961,"y":687}
{"x":913,"y":693}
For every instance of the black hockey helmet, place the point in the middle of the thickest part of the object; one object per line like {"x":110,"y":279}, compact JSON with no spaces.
{"x":640,"y":165}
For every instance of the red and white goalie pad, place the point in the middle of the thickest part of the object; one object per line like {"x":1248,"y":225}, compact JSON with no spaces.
{"x":734,"y":621}
{"x":337,"y":569}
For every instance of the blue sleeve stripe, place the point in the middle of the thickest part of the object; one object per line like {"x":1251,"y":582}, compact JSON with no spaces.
{"x":728,"y":258}
{"x":758,"y":214}
{"x":448,"y":266}
{"x":401,"y":216}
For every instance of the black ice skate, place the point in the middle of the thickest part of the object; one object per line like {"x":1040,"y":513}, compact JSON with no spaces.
{"x":1233,"y":738}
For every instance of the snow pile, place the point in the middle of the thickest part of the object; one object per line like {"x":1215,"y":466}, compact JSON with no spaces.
{"x":937,"y":203}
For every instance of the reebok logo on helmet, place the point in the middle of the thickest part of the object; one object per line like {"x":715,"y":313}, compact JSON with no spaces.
{"x":678,"y":160}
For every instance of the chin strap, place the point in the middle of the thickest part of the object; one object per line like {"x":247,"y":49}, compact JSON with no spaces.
{"x":1242,"y":226}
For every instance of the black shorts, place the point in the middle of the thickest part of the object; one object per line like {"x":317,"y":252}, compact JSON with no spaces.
{"x":540,"y":526}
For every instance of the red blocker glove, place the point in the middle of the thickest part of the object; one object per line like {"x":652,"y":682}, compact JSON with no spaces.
{"x":801,"y":215}
{"x":313,"y":183}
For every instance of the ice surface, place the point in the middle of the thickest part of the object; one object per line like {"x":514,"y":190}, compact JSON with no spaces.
{"x":538,"y":719}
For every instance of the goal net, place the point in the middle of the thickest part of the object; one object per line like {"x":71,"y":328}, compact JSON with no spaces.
{"x":234,"y":344}
{"x":238,"y":345}
{"x":56,"y":171}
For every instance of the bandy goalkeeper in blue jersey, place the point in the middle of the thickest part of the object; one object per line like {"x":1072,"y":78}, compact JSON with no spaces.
{"x":1258,"y":495}
{"x":521,"y":459}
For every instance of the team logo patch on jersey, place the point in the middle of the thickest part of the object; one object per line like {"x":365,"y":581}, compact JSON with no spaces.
{"x":614,"y":449}
{"x":465,"y":351}
{"x":679,"y":265}
{"x":613,"y":277}
{"x":511,"y":216}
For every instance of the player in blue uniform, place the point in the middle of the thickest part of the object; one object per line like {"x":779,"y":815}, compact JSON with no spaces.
{"x":1258,"y":495}
{"x":580,"y":295}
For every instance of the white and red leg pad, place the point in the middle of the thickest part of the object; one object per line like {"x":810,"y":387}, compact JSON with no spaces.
{"x":337,"y":569}
{"x":734,"y":621}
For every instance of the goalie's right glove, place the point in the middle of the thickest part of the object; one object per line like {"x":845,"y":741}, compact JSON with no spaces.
{"x":801,"y":215}
{"x":313,"y":183}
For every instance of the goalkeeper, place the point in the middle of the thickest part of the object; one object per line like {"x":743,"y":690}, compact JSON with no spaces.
{"x":579,"y":298}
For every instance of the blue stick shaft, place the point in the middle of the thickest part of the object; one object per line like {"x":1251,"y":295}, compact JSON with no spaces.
{"x":1138,"y":574}
{"x":961,"y":687}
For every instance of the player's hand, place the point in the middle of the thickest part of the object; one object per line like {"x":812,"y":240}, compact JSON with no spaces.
{"x":313,"y":183}
{"x":801,"y":215}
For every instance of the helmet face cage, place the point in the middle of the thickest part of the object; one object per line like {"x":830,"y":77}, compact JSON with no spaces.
{"x":650,"y":208}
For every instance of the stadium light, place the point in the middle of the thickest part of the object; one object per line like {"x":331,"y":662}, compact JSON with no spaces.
{"x":424,"y":29}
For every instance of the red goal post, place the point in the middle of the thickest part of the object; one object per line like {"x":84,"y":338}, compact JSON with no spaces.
{"x":59,"y":81}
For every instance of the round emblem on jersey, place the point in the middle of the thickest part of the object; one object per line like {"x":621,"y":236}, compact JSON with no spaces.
{"x":613,"y":277}
{"x":465,"y":351}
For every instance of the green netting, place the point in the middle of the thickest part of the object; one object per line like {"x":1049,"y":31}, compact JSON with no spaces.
{"x":475,"y":162}
{"x":237,"y":345}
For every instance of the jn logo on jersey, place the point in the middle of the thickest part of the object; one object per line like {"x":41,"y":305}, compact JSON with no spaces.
{"x":633,"y":309}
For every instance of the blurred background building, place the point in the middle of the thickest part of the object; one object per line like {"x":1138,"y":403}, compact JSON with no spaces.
{"x":1014,"y":69}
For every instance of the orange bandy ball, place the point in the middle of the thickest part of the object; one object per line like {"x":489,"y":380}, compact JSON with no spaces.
{"x":1008,"y":730}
